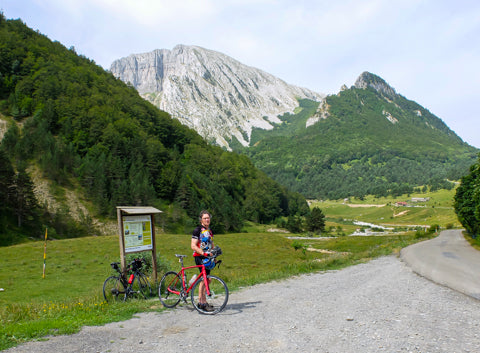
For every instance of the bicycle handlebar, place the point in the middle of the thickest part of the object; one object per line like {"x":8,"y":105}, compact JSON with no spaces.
{"x":216,"y":251}
{"x":134,"y":265}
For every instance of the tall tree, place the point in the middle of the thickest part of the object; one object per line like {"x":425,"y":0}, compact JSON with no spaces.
{"x":25,"y":203}
{"x":7,"y":180}
{"x":467,"y":200}
{"x":316,"y":221}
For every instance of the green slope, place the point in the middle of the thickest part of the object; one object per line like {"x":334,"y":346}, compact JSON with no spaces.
{"x":373,"y":141}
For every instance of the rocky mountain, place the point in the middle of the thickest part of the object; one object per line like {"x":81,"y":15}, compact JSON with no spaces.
{"x":367,"y":79}
{"x":222,"y":99}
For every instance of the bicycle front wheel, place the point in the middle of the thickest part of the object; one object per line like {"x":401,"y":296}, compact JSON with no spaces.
{"x":216,"y":301}
{"x":145,"y":287}
{"x":113,"y":289}
{"x":169,"y":289}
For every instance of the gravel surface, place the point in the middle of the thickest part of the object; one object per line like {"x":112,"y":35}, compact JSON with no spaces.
{"x":380,"y":306}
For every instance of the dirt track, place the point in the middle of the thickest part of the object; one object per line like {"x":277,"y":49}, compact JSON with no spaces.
{"x":380,"y":306}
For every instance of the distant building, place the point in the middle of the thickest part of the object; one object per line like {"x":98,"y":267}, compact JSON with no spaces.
{"x":401,"y":203}
{"x":420,"y":199}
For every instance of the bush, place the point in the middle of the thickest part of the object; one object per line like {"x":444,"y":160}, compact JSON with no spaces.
{"x":299,"y":246}
{"x":294,"y":224}
{"x":146,"y":256}
{"x":420,"y":233}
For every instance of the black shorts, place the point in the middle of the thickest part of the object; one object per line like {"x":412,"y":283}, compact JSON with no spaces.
{"x":198,"y":262}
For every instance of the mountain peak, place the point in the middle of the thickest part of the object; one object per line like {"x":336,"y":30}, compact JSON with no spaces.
{"x":367,"y":79}
{"x":211,"y":92}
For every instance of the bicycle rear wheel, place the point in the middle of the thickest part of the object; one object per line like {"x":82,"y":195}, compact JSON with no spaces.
{"x":113,"y":289}
{"x":169,"y":289}
{"x":217,"y":299}
{"x":139,"y":288}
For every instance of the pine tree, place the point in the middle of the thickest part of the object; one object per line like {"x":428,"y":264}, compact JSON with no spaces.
{"x":7,"y":176}
{"x":25,"y":203}
{"x":316,"y":221}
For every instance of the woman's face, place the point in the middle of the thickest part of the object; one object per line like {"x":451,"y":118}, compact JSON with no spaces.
{"x":205,"y":220}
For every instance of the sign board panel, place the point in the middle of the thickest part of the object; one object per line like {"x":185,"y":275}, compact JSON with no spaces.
{"x":137,"y":232}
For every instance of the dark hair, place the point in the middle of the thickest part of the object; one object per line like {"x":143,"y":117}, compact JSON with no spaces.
{"x":204,"y":212}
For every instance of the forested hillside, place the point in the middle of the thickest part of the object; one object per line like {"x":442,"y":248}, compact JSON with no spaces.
{"x":81,"y":126}
{"x":367,"y":140}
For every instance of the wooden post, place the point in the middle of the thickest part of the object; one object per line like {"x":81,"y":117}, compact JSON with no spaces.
{"x":123,"y":265}
{"x":45,"y":253}
{"x":154,"y":251}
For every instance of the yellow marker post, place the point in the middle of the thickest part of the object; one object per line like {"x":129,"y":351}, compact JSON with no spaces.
{"x":45,"y":253}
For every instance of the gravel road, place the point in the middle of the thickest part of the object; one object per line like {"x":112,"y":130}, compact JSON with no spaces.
{"x":380,"y":306}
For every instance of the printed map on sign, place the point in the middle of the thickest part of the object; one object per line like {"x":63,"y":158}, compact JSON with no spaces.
{"x":137,"y":233}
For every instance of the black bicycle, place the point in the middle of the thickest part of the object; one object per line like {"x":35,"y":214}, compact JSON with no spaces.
{"x":119,"y":288}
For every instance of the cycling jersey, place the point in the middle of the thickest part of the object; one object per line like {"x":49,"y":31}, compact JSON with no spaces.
{"x":204,"y":237}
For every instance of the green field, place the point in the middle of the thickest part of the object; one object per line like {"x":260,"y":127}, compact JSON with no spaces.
{"x":438,"y":210}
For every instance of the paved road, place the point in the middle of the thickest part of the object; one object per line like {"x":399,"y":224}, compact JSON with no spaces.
{"x":448,"y":260}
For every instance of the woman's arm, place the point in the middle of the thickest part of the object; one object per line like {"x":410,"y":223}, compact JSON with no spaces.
{"x":195,"y":247}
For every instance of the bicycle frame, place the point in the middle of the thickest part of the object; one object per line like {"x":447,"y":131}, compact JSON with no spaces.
{"x":202,"y":277}
{"x":127,"y":283}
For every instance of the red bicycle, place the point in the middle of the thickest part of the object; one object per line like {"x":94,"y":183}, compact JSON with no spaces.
{"x":173,"y":287}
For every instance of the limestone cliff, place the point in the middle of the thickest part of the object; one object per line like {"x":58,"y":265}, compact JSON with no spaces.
{"x":210,"y":92}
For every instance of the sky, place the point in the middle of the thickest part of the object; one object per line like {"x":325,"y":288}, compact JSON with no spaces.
{"x":427,"y":50}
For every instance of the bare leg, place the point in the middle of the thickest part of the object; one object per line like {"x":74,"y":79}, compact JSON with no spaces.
{"x":201,"y":293}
